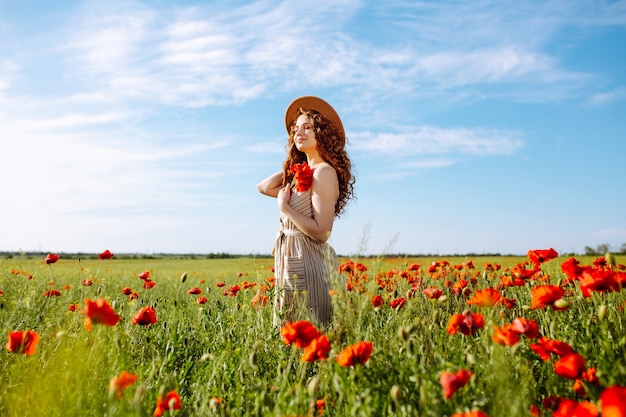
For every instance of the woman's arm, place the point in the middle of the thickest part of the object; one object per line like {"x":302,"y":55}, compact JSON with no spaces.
{"x":324,"y":193}
{"x":271,"y":185}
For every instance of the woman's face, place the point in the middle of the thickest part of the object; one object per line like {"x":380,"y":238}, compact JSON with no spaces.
{"x":303,"y":134}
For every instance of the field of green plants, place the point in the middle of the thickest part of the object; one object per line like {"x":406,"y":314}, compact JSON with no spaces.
{"x":540,"y":335}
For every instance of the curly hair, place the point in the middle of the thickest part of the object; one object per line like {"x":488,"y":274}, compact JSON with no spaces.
{"x":331,"y":147}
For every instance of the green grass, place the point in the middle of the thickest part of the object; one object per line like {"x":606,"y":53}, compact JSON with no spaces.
{"x":228,"y":349}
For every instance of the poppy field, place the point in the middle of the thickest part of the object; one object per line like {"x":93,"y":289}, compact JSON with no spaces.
{"x":541,"y":335}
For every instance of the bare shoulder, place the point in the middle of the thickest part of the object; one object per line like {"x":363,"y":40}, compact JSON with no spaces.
{"x":326,"y":181}
{"x":325,"y":172}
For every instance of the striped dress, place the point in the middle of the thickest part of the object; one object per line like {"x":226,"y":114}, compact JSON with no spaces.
{"x":302,"y":267}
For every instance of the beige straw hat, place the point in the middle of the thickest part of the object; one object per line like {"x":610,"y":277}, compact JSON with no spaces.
{"x":317,"y":104}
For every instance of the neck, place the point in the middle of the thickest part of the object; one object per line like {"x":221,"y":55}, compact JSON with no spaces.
{"x":313,"y":159}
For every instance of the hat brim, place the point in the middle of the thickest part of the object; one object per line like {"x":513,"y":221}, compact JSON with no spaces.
{"x":317,"y":104}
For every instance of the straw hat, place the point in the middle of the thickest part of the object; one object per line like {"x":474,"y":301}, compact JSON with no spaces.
{"x":317,"y":104}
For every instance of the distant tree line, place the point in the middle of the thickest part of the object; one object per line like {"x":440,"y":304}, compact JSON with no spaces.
{"x":599,"y":250}
{"x":219,"y":255}
{"x":604,"y":248}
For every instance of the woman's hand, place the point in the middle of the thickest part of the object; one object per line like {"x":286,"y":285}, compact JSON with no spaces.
{"x":283,"y":197}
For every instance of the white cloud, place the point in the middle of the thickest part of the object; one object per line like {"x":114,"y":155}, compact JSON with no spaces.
{"x":602,"y":99}
{"x":489,"y":65}
{"x":429,"y":140}
{"x":203,"y":56}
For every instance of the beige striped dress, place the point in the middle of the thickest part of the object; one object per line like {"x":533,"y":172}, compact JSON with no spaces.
{"x":302,"y":267}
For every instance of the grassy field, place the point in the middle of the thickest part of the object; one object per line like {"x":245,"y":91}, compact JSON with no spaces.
{"x":224,"y":357}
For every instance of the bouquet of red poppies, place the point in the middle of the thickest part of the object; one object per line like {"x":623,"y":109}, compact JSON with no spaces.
{"x":302,"y":176}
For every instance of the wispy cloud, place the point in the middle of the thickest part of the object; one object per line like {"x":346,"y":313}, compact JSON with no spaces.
{"x":204,"y":56}
{"x":429,"y":140}
{"x":606,"y":98}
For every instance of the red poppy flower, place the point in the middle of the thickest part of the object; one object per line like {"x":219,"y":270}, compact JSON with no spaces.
{"x":202,"y":300}
{"x":451,"y":381}
{"x":356,"y":354}
{"x":302,"y":333}
{"x":397,"y":303}
{"x":317,"y":349}
{"x":52,"y":293}
{"x":72,"y":307}
{"x":87,"y":282}
{"x":505,"y":335}
{"x":466,"y":323}
{"x":220,"y":284}
{"x":485,"y":298}
{"x":148,"y":283}
{"x":105,"y":255}
{"x":119,"y":383}
{"x":352,"y":267}
{"x":259,"y":300}
{"x":571,"y":268}
{"x":127,"y":291}
{"x":539,"y":256}
{"x":99,"y":312}
{"x":232,"y":291}
{"x":508,"y":302}
{"x":51,"y":258}
{"x":194,"y":290}
{"x":590,"y":375}
{"x":613,"y":401}
{"x":473,"y":413}
{"x":459,"y":286}
{"x":23,"y":342}
{"x":320,"y":405}
{"x":573,"y":408}
{"x":247,"y":285}
{"x":170,"y":402}
{"x":545,"y":295}
{"x":433,"y":292}
{"x":133,"y":296}
{"x":145,"y":316}
{"x":526,"y":327}
{"x":570,"y":366}
{"x":599,"y":281}
{"x":545,"y":346}
{"x":144,"y":275}
{"x":377,"y":301}
{"x":302,"y":176}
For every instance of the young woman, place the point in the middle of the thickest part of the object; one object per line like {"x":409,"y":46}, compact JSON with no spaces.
{"x":312,"y":189}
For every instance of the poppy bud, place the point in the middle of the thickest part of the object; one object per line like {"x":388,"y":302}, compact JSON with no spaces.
{"x":561,"y":303}
{"x":313,"y":385}
{"x":139,"y":394}
{"x":610,"y":259}
{"x":404,"y":332}
{"x":602,"y":312}
{"x":252,"y":359}
{"x":183,"y":277}
{"x":396,"y":393}
{"x":443,"y":299}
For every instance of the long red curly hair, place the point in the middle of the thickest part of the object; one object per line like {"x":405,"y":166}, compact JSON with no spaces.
{"x":331,"y":146}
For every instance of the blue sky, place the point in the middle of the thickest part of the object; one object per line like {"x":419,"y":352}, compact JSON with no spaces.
{"x":483,"y":126}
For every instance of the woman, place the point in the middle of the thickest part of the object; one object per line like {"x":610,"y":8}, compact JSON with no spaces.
{"x":303,"y":260}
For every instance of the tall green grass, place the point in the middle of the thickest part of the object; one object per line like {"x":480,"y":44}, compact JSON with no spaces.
{"x":228,"y":349}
